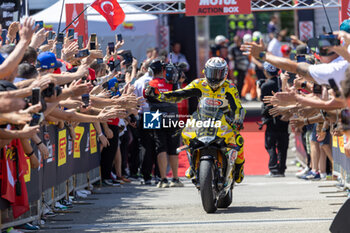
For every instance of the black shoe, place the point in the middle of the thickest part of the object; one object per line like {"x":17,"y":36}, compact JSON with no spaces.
{"x":163,"y":183}
{"x":146,"y":182}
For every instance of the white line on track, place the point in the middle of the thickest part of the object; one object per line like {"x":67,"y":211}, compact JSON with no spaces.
{"x":137,"y":225}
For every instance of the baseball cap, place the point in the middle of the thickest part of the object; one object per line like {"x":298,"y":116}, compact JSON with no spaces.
{"x":270,"y":69}
{"x":302,"y":50}
{"x":92,"y":74}
{"x":47,"y":60}
{"x":286,"y":49}
{"x":345,"y":26}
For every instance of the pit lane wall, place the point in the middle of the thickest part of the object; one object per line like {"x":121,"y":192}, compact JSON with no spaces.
{"x":72,"y":165}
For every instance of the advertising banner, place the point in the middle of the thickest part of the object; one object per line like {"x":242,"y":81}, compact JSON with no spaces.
{"x":72,"y":156}
{"x":93,"y":141}
{"x":338,"y":153}
{"x":217,"y":7}
{"x":344,"y":11}
{"x":49,"y":165}
{"x":79,"y":132}
{"x":80,"y":25}
{"x":240,"y":25}
{"x":62,"y":147}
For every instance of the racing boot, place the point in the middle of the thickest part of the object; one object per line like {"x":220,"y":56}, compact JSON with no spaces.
{"x":189,"y":173}
{"x":239,"y":172}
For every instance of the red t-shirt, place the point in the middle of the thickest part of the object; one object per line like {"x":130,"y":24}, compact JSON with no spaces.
{"x":114,"y":122}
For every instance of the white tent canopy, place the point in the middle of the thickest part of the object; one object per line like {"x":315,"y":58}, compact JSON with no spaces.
{"x":140,"y":34}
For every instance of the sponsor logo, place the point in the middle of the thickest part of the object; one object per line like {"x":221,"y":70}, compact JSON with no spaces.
{"x":151,"y":120}
{"x":62,"y":146}
{"x":217,"y":2}
{"x":191,"y":123}
{"x":213,"y":102}
{"x":155,"y":120}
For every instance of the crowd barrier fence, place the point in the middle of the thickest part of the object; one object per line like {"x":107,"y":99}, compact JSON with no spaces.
{"x":341,"y":163}
{"x":72,"y":165}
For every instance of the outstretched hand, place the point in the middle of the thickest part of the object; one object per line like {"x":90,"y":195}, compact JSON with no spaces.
{"x":252,"y":48}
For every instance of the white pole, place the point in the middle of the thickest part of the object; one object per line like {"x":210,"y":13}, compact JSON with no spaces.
{"x":26,"y":7}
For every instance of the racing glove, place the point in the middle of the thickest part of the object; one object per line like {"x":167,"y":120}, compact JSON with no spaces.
{"x":151,"y":92}
{"x":238,"y":123}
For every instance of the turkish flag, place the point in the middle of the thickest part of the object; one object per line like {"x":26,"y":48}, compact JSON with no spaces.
{"x":111,"y":10}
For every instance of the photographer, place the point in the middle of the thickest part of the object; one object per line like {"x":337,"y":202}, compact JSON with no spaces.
{"x":166,"y":139}
{"x":276,"y":134}
{"x":333,"y":66}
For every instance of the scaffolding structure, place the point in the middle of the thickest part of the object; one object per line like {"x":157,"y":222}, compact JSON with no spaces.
{"x":178,"y":7}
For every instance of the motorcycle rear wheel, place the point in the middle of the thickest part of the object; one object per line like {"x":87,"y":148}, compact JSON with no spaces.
{"x":206,"y":186}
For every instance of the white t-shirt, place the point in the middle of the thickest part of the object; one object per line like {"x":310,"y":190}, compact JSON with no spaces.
{"x":274,"y":47}
{"x":323,"y":72}
{"x":139,"y":86}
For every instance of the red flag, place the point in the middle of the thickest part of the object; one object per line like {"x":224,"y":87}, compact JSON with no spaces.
{"x":111,"y":10}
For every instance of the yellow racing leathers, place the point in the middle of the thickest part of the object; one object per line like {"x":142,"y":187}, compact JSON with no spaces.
{"x":232,"y":108}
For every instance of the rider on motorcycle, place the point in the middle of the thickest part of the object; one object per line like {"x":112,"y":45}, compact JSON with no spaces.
{"x":214,"y":85}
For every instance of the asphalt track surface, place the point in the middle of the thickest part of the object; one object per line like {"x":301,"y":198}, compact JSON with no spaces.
{"x":261,"y":205}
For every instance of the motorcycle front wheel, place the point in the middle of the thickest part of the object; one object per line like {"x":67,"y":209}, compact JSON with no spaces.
{"x":206,"y":186}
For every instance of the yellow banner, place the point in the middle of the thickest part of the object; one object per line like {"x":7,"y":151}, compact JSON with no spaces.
{"x":27,"y":174}
{"x":341,"y":144}
{"x":62,"y":145}
{"x":335,"y":141}
{"x":93,"y":142}
{"x":79,"y":132}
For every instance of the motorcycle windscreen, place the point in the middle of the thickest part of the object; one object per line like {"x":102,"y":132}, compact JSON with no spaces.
{"x":210,"y":113}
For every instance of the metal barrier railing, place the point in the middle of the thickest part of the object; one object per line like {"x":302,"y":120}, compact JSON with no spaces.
{"x":69,"y":170}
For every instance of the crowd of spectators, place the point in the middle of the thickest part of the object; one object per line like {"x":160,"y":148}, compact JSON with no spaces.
{"x":309,"y":89}
{"x":46,"y":81}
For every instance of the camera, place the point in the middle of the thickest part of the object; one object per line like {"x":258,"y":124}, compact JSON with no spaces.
{"x":86,"y":100}
{"x":82,"y":53}
{"x":323,"y":41}
{"x":335,"y":87}
{"x":127,"y":55}
{"x":114,"y":65}
{"x":37,"y":118}
{"x":50,"y":91}
{"x":345,"y":119}
{"x":328,"y":40}
{"x":317,"y":89}
{"x":173,"y":72}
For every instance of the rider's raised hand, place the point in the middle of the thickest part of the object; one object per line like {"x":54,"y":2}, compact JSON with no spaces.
{"x":151,"y":92}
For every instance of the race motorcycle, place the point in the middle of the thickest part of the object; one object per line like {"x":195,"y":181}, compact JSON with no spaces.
{"x":211,"y":147}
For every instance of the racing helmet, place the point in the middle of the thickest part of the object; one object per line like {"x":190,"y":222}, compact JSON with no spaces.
{"x":257,"y":36}
{"x":247,"y":38}
{"x":216,"y":71}
{"x":220,"y":39}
